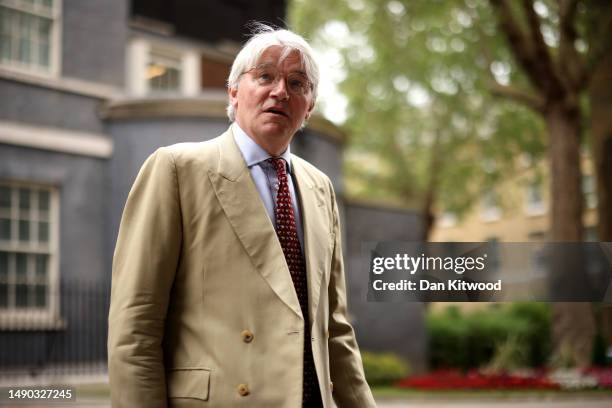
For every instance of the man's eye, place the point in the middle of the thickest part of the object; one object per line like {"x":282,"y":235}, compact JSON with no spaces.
{"x":265,"y":77}
{"x":297,"y":83}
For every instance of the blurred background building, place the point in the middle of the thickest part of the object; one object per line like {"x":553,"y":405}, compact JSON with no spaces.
{"x":517,"y":209}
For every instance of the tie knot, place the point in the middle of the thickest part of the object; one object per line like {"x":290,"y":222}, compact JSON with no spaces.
{"x":279,"y":164}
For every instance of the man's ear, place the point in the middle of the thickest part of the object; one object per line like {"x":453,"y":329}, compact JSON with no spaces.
{"x":309,"y":111}
{"x":233,"y":96}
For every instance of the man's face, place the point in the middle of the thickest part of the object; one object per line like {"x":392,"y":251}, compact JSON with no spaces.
{"x":271,"y":102}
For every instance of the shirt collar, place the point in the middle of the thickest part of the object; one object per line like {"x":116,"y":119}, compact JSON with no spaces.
{"x":252,"y":152}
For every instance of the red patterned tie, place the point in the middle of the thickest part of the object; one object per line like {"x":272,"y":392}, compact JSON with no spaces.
{"x":286,"y":230}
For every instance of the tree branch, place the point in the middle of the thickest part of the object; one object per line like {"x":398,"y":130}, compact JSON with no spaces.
{"x":525,"y":97}
{"x":531,"y":99}
{"x":571,"y":63}
{"x":517,"y":39}
{"x":567,"y":32}
{"x":551,"y":83}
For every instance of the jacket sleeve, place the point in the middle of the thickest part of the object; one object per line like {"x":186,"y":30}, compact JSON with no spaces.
{"x":350,"y":387}
{"x":144,"y":265}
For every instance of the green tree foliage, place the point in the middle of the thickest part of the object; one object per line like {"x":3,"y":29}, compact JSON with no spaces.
{"x":456,"y":140}
{"x":424,"y":127}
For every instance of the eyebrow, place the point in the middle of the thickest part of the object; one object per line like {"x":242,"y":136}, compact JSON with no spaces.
{"x":269,"y":64}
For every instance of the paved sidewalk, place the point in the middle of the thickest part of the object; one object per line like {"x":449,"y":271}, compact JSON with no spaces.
{"x":588,"y":403}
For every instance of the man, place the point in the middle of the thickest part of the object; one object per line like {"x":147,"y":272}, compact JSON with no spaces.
{"x":228,"y":282}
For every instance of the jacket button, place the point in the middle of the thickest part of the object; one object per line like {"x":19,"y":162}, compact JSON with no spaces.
{"x":243,"y":390}
{"x":247,"y":336}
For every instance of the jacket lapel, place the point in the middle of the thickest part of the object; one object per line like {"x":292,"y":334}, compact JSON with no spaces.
{"x":247,"y":215}
{"x":316,"y":234}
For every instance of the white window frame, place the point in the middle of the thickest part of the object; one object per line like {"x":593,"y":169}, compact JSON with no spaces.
{"x":54,"y":68}
{"x":49,"y":316}
{"x":139,"y":55}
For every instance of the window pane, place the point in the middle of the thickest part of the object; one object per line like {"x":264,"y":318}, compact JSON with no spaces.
{"x":3,"y":295}
{"x":41,"y":268}
{"x":44,"y":35}
{"x":43,"y":55}
{"x":43,"y":232}
{"x":5,"y":197}
{"x":24,"y":230}
{"x":5,"y":229}
{"x":24,"y":40}
{"x":3,"y":21}
{"x":43,"y":200}
{"x":40,"y":295}
{"x":534,"y":193}
{"x":164,"y":72}
{"x":22,"y":268}
{"x":3,"y":266}
{"x":21,"y":295}
{"x":5,"y":47}
{"x":24,"y":203}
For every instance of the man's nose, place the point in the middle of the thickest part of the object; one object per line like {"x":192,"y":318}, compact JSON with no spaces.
{"x":279,"y":89}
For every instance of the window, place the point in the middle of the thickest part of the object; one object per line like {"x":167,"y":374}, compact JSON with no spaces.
{"x":28,"y":34}
{"x":162,"y":68}
{"x":490,"y":210}
{"x":447,"y":220}
{"x":534,"y":203}
{"x":164,"y":72}
{"x":28,"y":251}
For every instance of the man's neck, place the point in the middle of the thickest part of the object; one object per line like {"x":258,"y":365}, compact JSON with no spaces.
{"x":272,"y":148}
{"x":252,"y":152}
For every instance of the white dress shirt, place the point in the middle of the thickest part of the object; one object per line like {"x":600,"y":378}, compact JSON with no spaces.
{"x":265,"y":178}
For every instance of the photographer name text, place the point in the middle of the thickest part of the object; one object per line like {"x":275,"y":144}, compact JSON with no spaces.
{"x":425,"y":285}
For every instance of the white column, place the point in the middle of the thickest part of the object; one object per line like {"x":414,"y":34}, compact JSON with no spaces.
{"x":136,"y":72}
{"x":190,"y":81}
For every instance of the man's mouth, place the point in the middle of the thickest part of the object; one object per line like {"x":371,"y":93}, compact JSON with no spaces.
{"x":277,"y":111}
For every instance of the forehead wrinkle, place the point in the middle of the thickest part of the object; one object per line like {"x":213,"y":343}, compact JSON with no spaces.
{"x":265,"y":65}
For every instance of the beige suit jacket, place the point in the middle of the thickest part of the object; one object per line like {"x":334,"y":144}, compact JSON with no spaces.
{"x":203,"y":310}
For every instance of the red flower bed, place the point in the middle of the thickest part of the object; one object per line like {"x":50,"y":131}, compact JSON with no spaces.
{"x":603,"y":376}
{"x":453,"y":380}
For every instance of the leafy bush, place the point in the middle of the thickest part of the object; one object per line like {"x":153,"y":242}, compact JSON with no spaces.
{"x":383,"y":368}
{"x":472,"y":340}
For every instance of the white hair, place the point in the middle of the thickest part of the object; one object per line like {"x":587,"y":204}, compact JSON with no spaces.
{"x":263,"y":38}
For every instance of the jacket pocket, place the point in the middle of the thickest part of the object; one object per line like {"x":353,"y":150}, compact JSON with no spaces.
{"x":188,"y":383}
